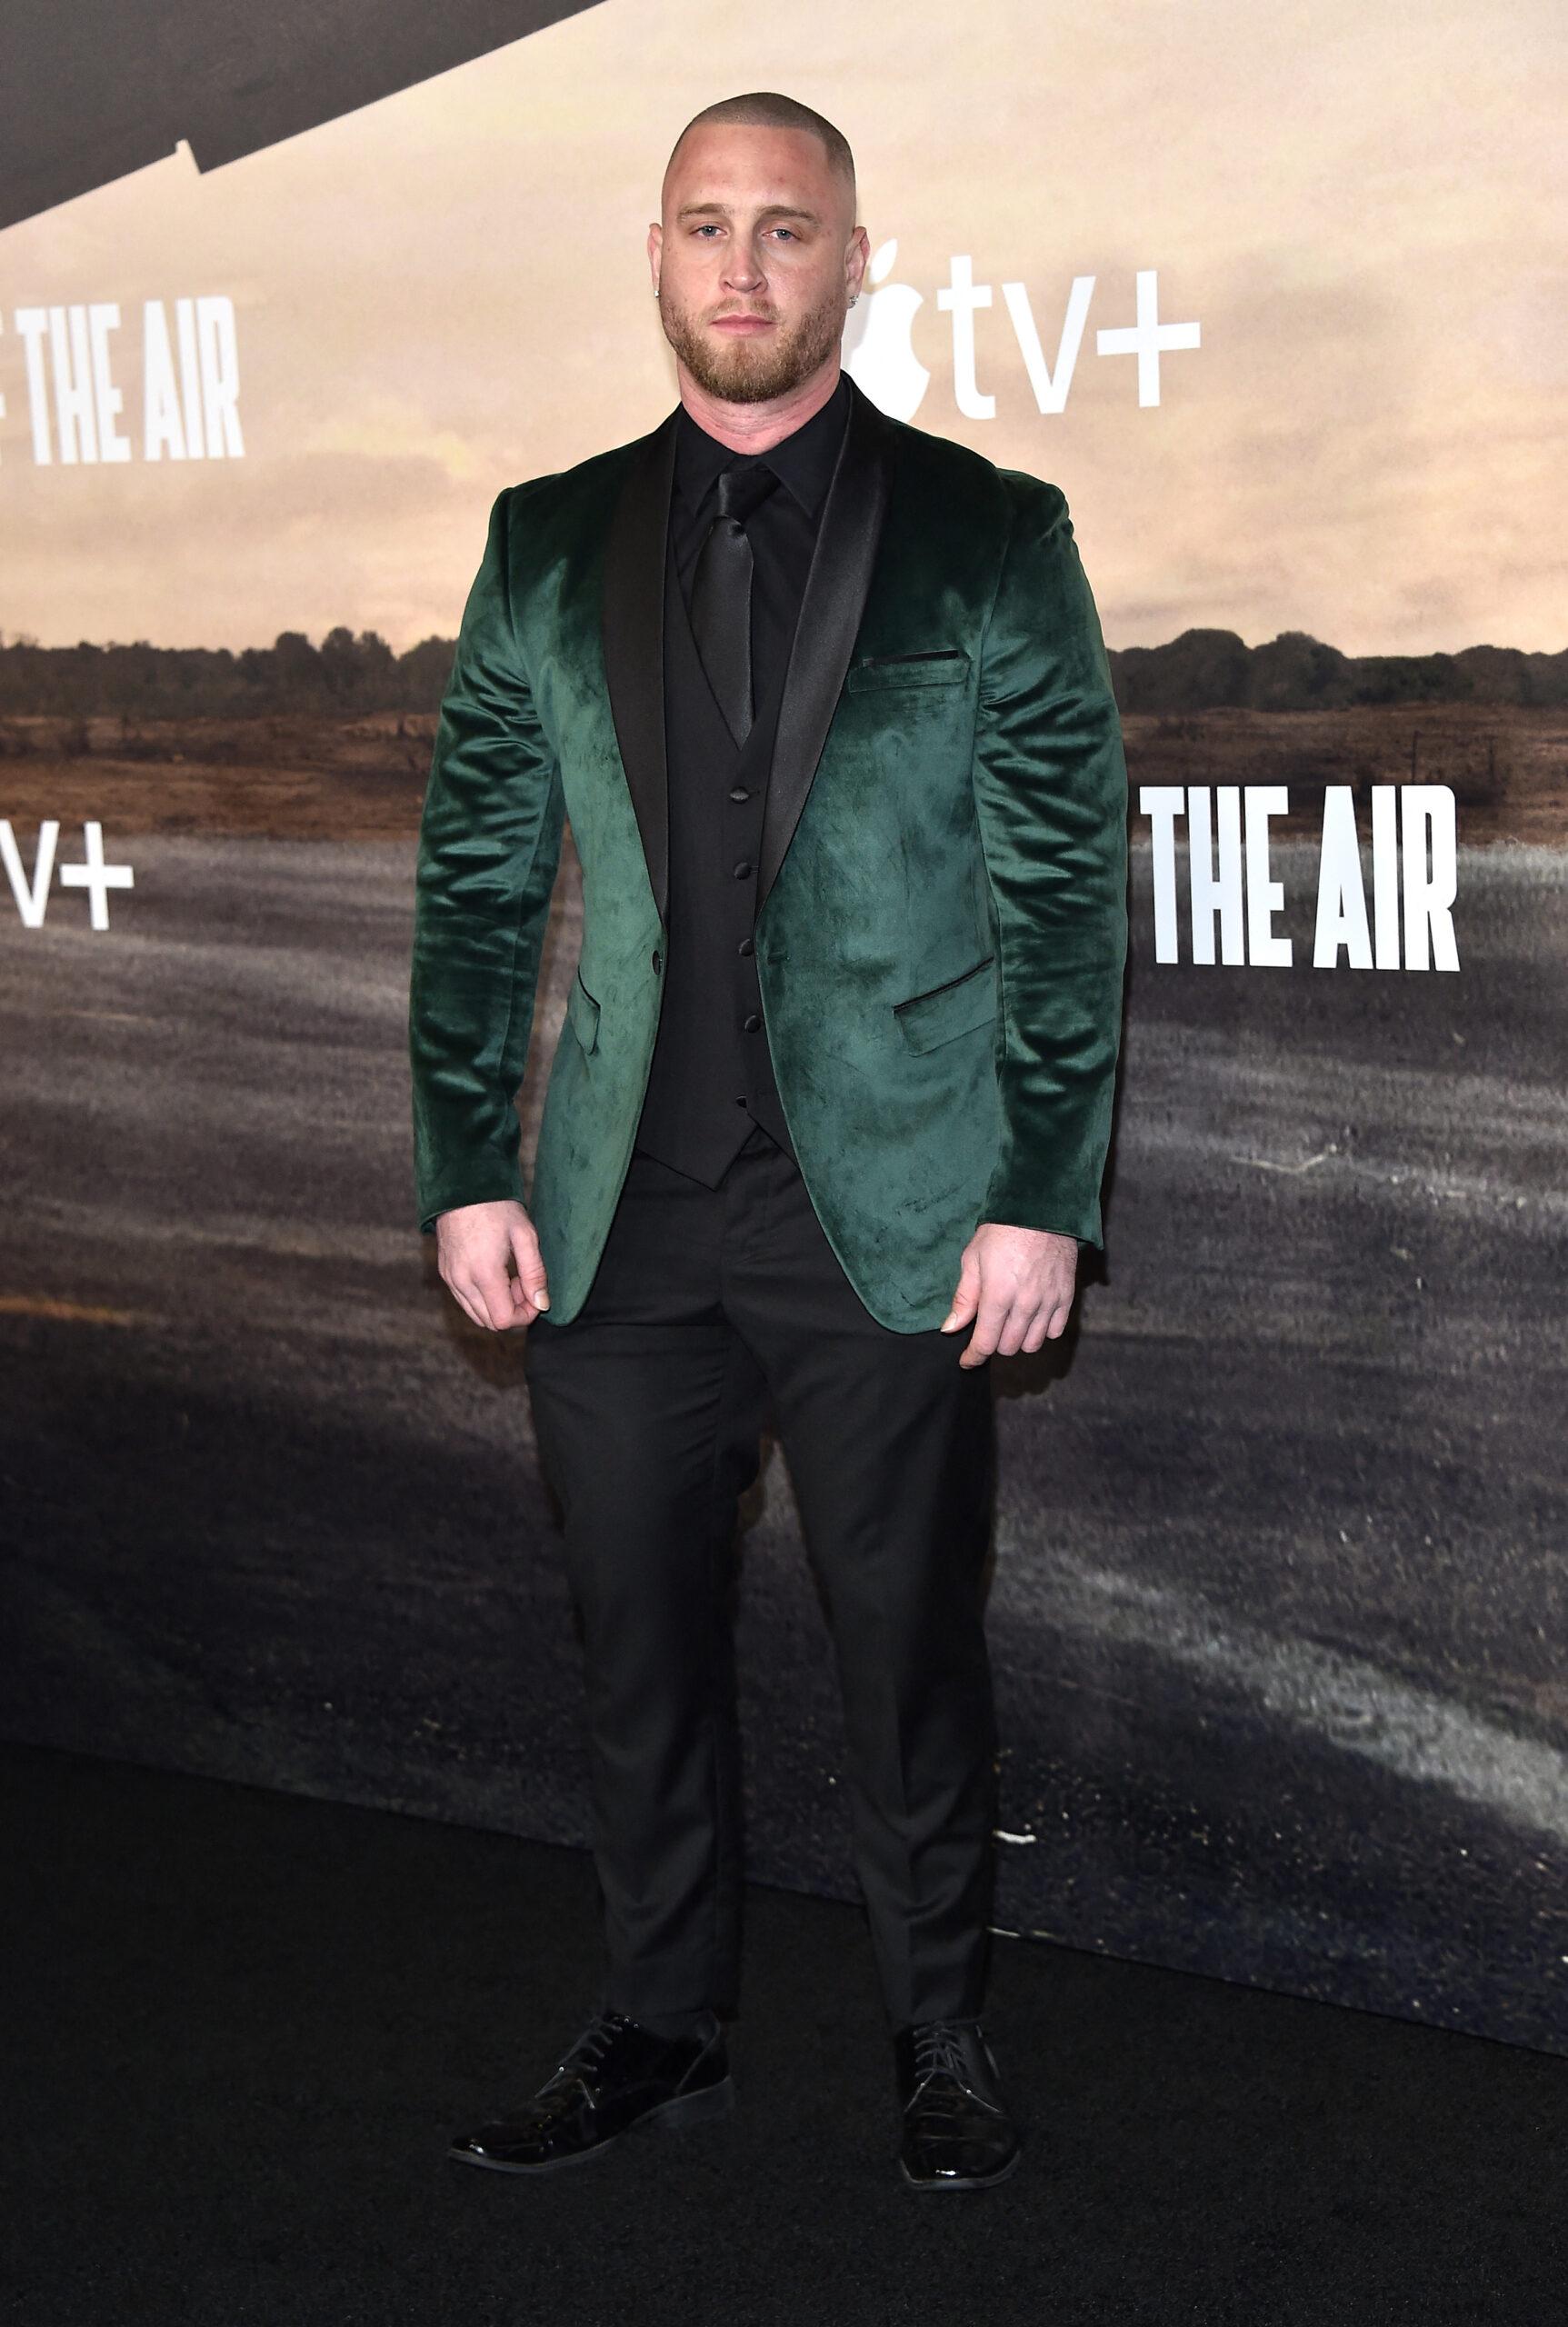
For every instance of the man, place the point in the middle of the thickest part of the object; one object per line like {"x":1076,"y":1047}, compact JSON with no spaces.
{"x":825,"y":700}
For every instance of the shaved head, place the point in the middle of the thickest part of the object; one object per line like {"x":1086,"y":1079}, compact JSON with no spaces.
{"x":757,"y":258}
{"x":768,"y":109}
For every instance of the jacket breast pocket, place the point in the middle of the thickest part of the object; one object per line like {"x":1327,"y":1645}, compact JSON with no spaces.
{"x":583,"y":1012}
{"x":931,"y":666}
{"x":965,"y":1003}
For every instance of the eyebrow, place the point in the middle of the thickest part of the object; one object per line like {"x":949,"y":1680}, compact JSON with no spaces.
{"x":722,"y":210}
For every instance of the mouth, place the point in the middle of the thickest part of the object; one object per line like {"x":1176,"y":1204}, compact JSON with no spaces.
{"x":741,"y":327}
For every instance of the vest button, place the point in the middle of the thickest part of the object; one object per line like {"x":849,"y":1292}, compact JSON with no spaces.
{"x":740,"y":792}
{"x":655,"y":957}
{"x":743,"y":867}
{"x":746,"y":946}
{"x":752,"y":1023}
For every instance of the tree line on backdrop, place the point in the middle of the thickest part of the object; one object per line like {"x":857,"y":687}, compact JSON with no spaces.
{"x":352,"y":673}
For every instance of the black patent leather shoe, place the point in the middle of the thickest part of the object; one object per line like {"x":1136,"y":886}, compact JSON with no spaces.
{"x":957,"y":2132}
{"x":616,"y":2077}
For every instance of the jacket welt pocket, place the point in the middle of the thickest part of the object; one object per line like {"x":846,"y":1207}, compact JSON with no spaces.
{"x":935,"y":666}
{"x":584,"y":1013}
{"x":956,"y":1008}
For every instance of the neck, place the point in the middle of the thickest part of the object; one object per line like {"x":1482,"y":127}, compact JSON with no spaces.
{"x":753,"y":428}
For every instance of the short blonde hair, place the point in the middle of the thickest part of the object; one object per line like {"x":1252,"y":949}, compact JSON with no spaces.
{"x":767,"y":109}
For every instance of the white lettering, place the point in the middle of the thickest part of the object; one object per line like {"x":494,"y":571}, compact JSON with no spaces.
{"x":1385,"y":873}
{"x":30,"y":895}
{"x":220,"y":378}
{"x":96,"y":877}
{"x":1050,"y":387}
{"x":72,"y":361}
{"x":32,"y":323}
{"x":961,"y":298}
{"x":107,"y":399}
{"x":1341,"y":897}
{"x":1266,"y":895}
{"x":163,"y":426}
{"x":1212,"y":894}
{"x":1429,"y":822}
{"x":1162,"y":803}
{"x":1148,"y":339}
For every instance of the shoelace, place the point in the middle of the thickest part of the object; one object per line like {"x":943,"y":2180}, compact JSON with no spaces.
{"x":595,"y":2042}
{"x":939,"y":2051}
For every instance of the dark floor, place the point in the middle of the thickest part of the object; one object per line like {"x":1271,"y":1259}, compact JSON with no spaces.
{"x":242,"y":2025}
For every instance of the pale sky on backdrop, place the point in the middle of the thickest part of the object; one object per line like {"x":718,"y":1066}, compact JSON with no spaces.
{"x":1366,"y":214}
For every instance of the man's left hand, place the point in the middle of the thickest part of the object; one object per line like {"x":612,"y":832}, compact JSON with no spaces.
{"x":1017,"y":1284}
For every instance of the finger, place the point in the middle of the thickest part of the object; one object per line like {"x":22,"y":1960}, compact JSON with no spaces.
{"x":1035,"y":1337}
{"x":523,"y":1309}
{"x":531,"y":1276}
{"x":982,"y":1342}
{"x":966,"y":1295}
{"x":493,"y":1294}
{"x":1015,"y":1325}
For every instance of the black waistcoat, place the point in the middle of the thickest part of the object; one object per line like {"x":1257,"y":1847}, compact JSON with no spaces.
{"x":711,"y":1078}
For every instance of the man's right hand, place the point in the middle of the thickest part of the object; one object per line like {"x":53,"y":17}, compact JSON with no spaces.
{"x":473,"y":1243}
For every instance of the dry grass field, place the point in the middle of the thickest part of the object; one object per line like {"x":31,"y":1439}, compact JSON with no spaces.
{"x":304,"y":777}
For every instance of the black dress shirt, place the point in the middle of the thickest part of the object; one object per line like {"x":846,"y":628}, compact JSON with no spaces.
{"x":782,"y":529}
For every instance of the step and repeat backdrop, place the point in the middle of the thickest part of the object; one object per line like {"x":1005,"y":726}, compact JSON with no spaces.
{"x":1280,"y":299}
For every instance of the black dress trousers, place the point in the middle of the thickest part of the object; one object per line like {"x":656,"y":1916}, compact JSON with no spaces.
{"x":711,"y":1307}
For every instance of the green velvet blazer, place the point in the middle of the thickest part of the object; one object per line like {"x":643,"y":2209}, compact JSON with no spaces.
{"x":941,"y":927}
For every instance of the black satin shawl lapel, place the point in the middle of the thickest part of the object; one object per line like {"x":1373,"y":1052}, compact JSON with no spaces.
{"x":632,"y":619}
{"x":633,"y":616}
{"x":837,"y":582}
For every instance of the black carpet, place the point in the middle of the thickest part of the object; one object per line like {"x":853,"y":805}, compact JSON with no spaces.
{"x":242,"y":2025}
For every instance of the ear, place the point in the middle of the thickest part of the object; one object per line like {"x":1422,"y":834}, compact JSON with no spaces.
{"x":856,"y":260}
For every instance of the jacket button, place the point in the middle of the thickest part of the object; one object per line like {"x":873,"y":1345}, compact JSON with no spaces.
{"x":743,"y":867}
{"x":746,"y":946}
{"x":740,"y":792}
{"x":655,"y":957}
{"x":752,"y":1023}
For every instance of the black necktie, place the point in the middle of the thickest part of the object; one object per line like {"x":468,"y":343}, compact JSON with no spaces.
{"x":722,"y":593}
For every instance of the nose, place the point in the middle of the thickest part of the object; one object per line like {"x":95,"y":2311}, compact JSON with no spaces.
{"x":742,"y":273}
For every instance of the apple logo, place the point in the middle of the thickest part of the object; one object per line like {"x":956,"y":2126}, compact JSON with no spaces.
{"x":880,"y":354}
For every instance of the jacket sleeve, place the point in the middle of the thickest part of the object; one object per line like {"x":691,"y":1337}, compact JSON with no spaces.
{"x":489,"y":847}
{"x":1051,"y":794}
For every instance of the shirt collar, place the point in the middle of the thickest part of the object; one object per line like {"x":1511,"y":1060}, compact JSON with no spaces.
{"x":803,"y":460}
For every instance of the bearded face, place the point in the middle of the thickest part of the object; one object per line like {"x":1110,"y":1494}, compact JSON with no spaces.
{"x":752,"y":370}
{"x":756,"y":223}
